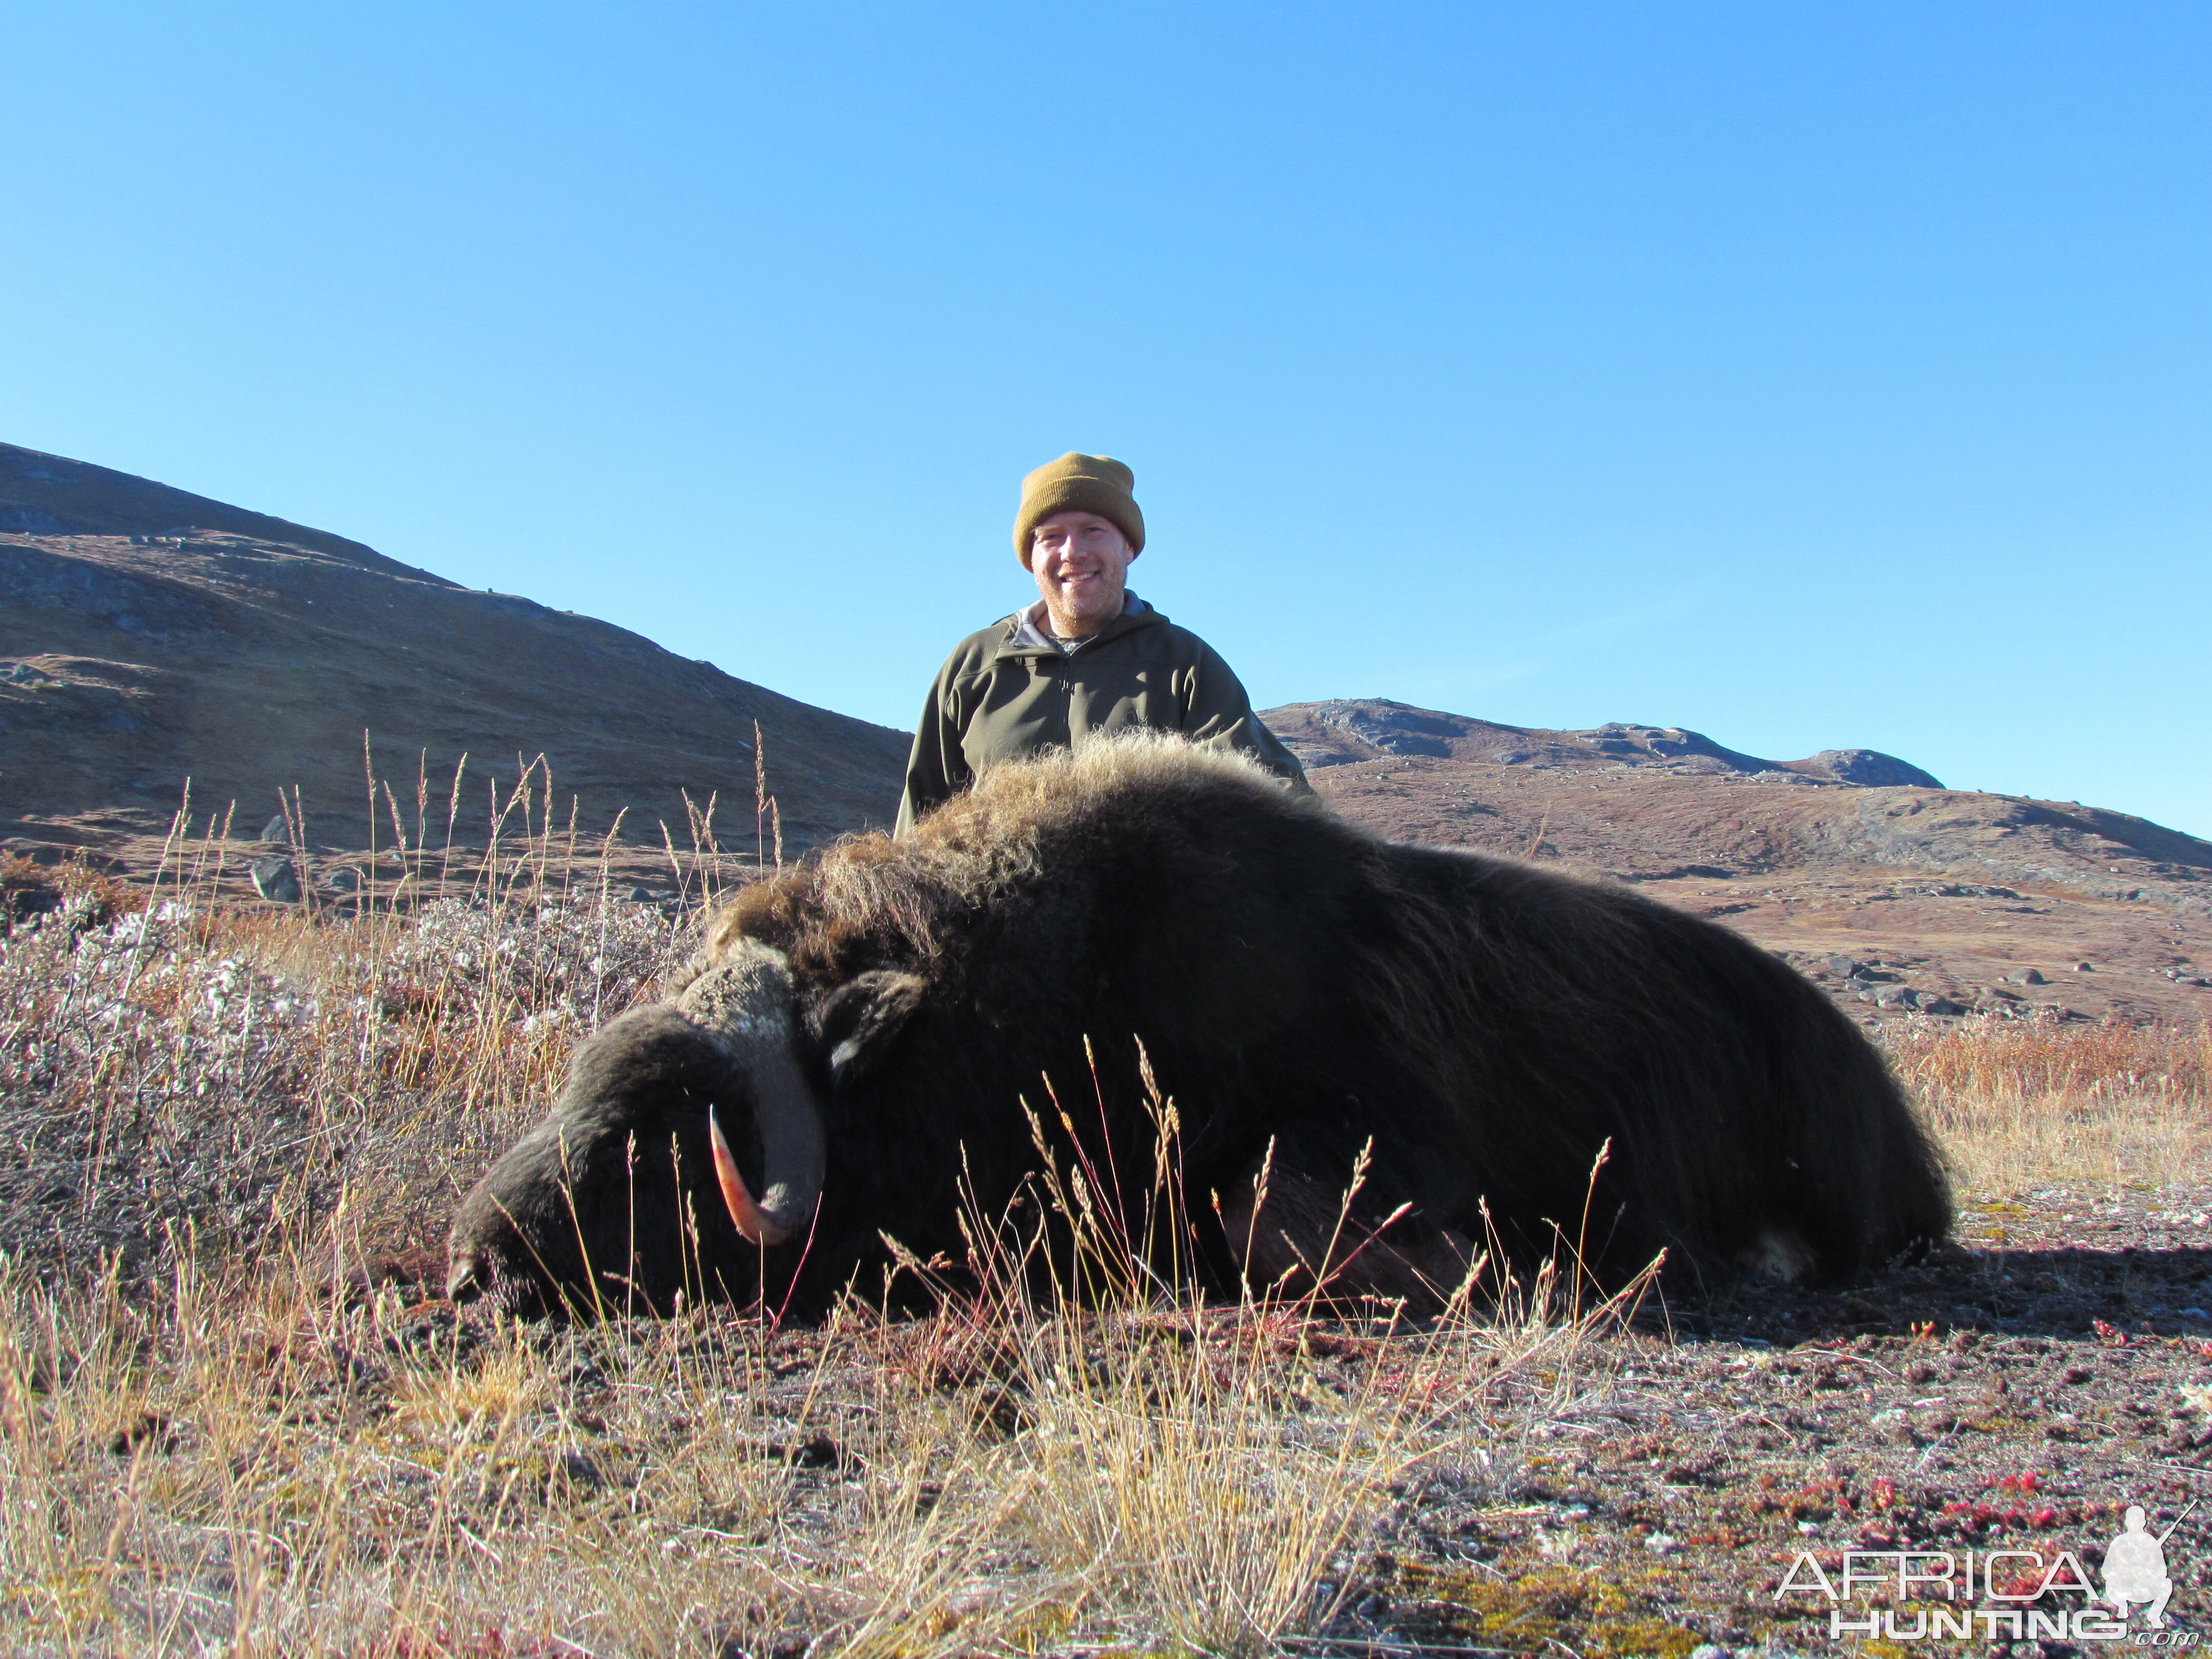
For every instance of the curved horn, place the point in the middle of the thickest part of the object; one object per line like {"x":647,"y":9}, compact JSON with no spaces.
{"x":743,"y":1211}
{"x":745,"y":1005}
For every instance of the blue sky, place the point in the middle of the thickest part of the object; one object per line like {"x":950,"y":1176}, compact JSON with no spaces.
{"x":1812,"y":376}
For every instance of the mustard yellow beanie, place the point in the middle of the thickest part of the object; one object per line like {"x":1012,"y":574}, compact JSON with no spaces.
{"x":1078,"y":483}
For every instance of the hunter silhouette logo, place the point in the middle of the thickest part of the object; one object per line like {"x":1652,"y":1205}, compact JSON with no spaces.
{"x":2135,"y":1566}
{"x":1998,"y":1593}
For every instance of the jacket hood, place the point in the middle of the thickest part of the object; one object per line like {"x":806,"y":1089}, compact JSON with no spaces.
{"x":1025,"y":634}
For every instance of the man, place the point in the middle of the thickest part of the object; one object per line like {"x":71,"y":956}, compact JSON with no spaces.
{"x":1088,"y":658}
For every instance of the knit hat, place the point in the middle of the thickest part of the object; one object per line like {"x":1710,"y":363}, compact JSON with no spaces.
{"x":1078,"y":483}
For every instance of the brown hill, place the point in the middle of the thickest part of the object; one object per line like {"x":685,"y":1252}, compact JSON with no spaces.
{"x":148,"y":635}
{"x":1953,"y":896}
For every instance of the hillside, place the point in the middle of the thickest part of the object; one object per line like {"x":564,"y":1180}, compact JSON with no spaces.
{"x":1923,"y":895}
{"x":148,"y":635}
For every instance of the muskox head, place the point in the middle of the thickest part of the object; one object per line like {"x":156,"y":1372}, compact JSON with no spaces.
{"x":642,"y":1185}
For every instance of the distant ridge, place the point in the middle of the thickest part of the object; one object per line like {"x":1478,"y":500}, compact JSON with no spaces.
{"x":1902,"y":897}
{"x":148,"y":635}
{"x":1344,"y":730}
{"x":43,"y":494}
{"x":1671,"y":788}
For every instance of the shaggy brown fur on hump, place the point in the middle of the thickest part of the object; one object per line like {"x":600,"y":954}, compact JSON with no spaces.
{"x":868,"y":897}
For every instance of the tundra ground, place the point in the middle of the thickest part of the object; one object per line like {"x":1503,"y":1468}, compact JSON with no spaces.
{"x":236,"y":1417}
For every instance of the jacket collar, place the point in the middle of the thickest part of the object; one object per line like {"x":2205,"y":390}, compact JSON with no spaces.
{"x":1025,"y":634}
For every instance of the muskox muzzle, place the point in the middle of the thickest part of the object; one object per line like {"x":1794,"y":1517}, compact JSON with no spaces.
{"x":630,"y":1193}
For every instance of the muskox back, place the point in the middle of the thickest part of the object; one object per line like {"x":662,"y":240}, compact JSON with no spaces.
{"x":1748,"y":1123}
{"x":1476,"y":1030}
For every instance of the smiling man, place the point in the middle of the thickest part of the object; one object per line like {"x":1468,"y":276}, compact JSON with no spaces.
{"x":1089,"y":657}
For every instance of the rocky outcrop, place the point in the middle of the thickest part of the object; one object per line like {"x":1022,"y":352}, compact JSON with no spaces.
{"x":1869,"y":767}
{"x":2098,"y":853}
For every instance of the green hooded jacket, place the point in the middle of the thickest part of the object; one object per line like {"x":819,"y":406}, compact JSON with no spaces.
{"x":1008,"y":691}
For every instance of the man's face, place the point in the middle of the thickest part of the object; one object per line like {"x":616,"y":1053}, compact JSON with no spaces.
{"x":1081,"y":562}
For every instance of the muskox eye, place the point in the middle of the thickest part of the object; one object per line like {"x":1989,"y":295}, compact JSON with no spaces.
{"x":861,"y":1019}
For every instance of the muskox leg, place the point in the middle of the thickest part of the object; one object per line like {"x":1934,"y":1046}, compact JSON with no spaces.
{"x":1779,"y":1254}
{"x":1289,"y":1233}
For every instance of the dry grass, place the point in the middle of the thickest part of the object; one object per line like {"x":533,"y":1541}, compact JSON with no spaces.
{"x":2020,"y":1104}
{"x":233,"y":1072}
{"x":251,"y":1460}
{"x":218,"y":1433}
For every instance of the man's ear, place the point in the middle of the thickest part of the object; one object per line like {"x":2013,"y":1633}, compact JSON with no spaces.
{"x":859,"y":1020}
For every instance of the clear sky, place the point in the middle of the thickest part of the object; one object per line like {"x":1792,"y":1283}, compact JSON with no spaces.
{"x":1811,"y":375}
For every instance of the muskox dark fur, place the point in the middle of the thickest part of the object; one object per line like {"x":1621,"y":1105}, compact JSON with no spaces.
{"x":1485,"y":1027}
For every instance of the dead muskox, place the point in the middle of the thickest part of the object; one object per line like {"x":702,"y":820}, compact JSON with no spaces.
{"x":864,"y":1030}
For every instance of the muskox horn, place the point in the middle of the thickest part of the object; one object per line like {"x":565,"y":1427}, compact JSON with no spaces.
{"x":744,"y":1003}
{"x":743,"y":1209}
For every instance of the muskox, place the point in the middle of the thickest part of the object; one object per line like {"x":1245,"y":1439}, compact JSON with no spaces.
{"x":868,"y":1042}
